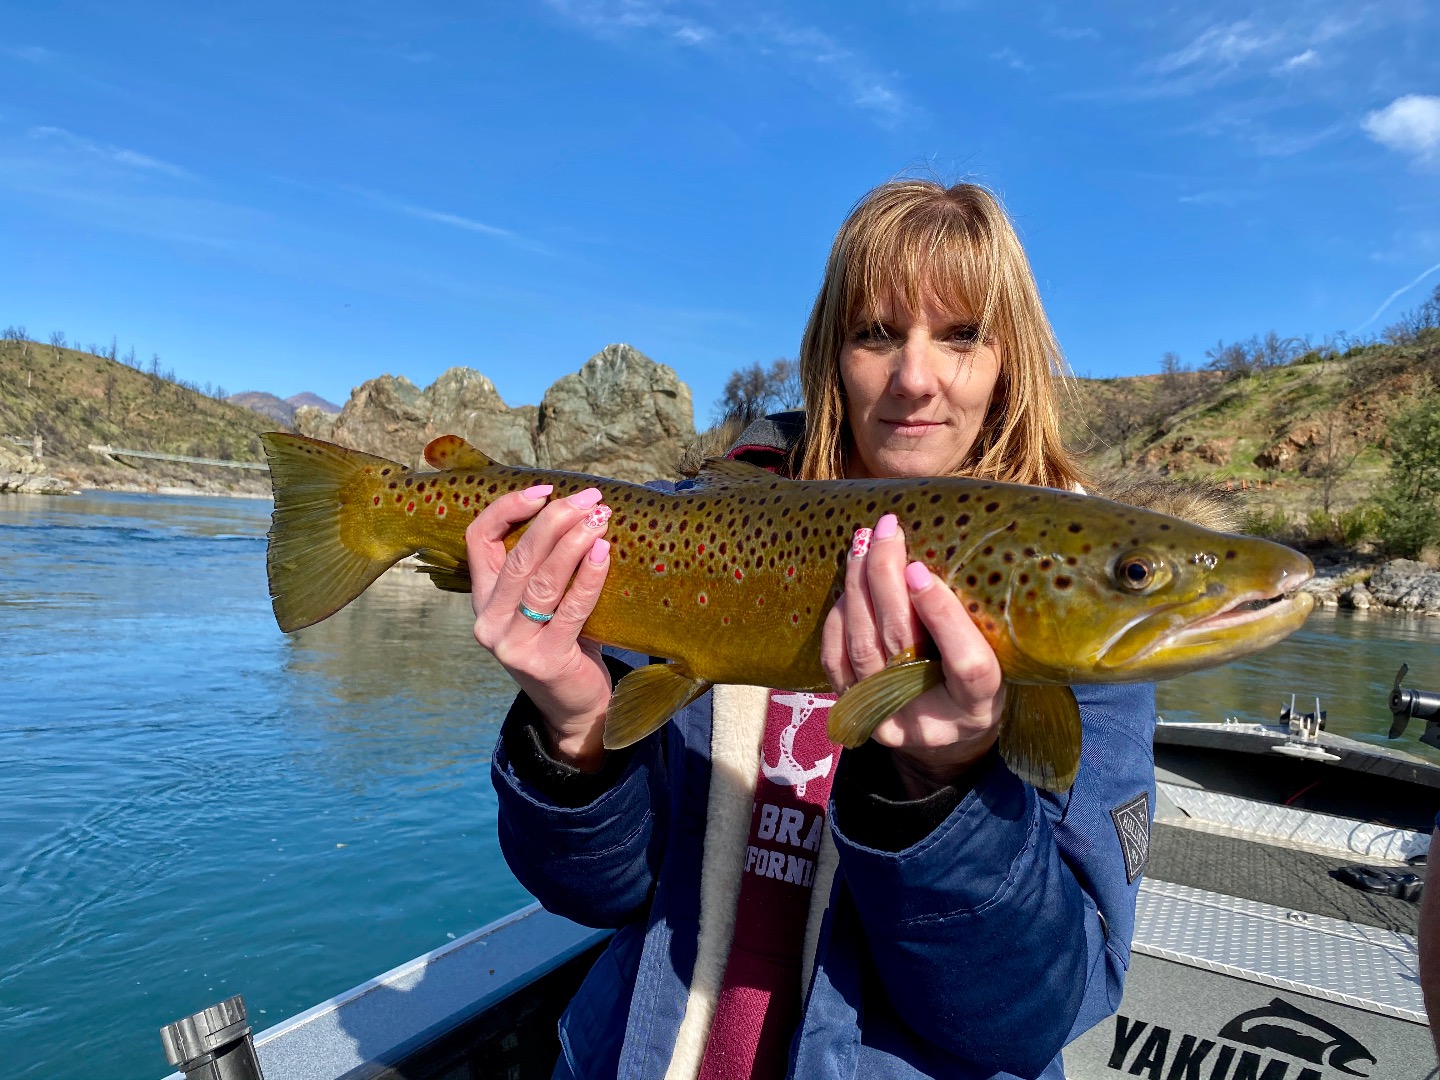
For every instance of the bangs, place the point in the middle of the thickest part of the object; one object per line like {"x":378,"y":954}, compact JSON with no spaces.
{"x":913,"y":255}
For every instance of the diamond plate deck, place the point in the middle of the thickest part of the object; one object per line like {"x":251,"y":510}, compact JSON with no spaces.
{"x":1359,"y":966}
{"x":1283,"y":824}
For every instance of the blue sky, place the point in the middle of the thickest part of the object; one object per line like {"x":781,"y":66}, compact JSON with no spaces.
{"x":300,"y":196}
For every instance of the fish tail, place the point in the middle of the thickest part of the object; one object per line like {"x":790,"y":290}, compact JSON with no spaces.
{"x":313,"y":572}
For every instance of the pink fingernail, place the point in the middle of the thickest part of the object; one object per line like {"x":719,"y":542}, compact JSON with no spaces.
{"x":885,"y":527}
{"x":539,"y":491}
{"x":597,"y":518}
{"x":917,"y":576}
{"x":599,"y":552}
{"x":861,"y":544}
{"x":586,"y":499}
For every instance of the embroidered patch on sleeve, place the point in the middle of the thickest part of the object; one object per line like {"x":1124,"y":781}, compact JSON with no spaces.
{"x":1132,"y":826}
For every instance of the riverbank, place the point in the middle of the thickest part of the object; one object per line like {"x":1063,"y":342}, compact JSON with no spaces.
{"x":1357,"y":583}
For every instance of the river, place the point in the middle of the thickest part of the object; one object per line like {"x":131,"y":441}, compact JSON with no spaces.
{"x":194,"y":805}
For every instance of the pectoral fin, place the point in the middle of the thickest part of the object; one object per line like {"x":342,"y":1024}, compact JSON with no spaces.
{"x":857,"y":714}
{"x":445,"y":571}
{"x":645,"y":699}
{"x":1040,"y":735}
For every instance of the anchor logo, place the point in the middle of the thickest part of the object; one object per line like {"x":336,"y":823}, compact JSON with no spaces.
{"x":788,"y":770}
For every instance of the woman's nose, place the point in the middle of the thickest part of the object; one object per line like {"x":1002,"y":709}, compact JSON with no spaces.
{"x":914,"y":376}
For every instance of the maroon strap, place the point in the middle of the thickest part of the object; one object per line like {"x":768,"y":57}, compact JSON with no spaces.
{"x":759,"y":1002}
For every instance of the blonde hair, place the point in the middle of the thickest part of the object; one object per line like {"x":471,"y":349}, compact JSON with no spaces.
{"x":913,"y":240}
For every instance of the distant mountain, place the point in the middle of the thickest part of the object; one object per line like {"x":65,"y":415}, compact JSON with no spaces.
{"x":266,"y":404}
{"x":282,"y":409}
{"x":308,"y":400}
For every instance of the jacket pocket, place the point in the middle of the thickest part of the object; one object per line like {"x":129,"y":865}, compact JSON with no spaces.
{"x":592,"y":1028}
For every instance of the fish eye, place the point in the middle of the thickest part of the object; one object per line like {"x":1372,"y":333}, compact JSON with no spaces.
{"x":1136,"y":572}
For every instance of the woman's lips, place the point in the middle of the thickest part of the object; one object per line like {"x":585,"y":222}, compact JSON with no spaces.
{"x":912,"y":428}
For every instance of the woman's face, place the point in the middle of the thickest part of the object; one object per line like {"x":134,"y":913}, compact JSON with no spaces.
{"x":917,"y":387}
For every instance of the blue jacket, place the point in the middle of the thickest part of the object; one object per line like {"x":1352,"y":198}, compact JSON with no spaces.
{"x":976,"y":952}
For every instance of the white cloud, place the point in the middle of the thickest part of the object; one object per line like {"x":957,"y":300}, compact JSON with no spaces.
{"x":75,"y":145}
{"x":1221,"y":47}
{"x":454,"y":221}
{"x":1308,"y":58}
{"x":808,"y":50}
{"x":1010,"y":58}
{"x":1409,"y":124}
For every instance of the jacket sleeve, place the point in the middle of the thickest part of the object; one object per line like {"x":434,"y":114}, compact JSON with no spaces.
{"x":1005,"y":931}
{"x":586,"y":847}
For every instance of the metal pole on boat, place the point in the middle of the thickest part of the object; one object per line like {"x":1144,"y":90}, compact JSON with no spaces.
{"x":213,"y":1044}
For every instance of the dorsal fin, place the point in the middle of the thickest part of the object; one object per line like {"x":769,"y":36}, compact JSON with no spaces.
{"x":453,"y":452}
{"x":718,"y":472}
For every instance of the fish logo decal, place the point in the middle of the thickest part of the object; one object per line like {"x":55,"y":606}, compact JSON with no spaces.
{"x":1287,"y":1029}
{"x":787,"y":769}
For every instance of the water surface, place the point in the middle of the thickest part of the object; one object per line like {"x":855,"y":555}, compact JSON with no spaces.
{"x":193,"y":805}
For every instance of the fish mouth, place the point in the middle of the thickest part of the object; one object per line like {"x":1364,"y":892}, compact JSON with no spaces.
{"x":1211,"y":630}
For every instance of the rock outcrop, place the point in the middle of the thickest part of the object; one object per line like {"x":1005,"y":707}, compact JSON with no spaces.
{"x":1397,"y":585}
{"x":21,"y":475}
{"x":621,"y":415}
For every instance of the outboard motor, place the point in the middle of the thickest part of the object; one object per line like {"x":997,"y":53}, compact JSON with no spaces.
{"x":1406,"y":705}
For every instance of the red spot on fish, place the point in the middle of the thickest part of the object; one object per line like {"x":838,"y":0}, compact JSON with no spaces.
{"x":929,"y":553}
{"x":703,"y":598}
{"x":465,"y":501}
{"x":627,"y":592}
{"x":659,"y":568}
{"x":376,"y":500}
{"x":726,"y":620}
{"x":429,"y":497}
{"x":410,"y":507}
{"x":739,"y":574}
{"x":760,"y":602}
{"x":789,"y":571}
{"x":794,"y":616}
{"x":699,"y":549}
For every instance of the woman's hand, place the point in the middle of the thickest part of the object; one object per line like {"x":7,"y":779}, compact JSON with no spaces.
{"x":888,"y":607}
{"x":563,"y":674}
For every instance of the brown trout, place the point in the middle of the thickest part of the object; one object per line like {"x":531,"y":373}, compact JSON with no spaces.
{"x":730,"y":580}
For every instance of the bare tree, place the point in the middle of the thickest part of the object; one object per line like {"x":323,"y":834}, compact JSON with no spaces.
{"x":1122,"y":416}
{"x":750,"y":392}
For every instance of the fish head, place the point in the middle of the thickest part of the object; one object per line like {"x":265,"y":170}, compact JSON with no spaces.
{"x":1094,"y":591}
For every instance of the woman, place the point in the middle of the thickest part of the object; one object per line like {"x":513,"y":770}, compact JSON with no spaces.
{"x":927,"y":915}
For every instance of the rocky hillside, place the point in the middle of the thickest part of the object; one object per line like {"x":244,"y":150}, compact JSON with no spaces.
{"x":73,"y":399}
{"x":1295,"y":435}
{"x":621,"y":415}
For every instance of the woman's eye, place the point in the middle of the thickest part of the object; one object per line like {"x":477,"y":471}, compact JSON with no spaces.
{"x":873,"y":333}
{"x":965,"y":335}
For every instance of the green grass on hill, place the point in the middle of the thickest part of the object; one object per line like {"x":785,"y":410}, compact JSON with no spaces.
{"x":73,"y":399}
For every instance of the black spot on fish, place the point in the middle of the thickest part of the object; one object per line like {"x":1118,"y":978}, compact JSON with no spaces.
{"x":1045,"y":564}
{"x":938,"y":522}
{"x":963,"y":498}
{"x":988,"y":549}
{"x":1009,"y":556}
{"x":1024,"y":579}
{"x":963,"y":520}
{"x":1062,"y":582}
{"x":971,"y":580}
{"x":994,"y":578}
{"x":990,"y":508}
{"x":950,"y":553}
{"x":870,"y":506}
{"x":935,"y":499}
{"x":1075,"y":526}
{"x":1229,"y":554}
{"x":1164,"y":527}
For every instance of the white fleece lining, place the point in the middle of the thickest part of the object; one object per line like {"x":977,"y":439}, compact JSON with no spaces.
{"x":737,"y":731}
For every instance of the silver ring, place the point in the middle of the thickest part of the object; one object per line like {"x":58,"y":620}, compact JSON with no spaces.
{"x":535,"y":616}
